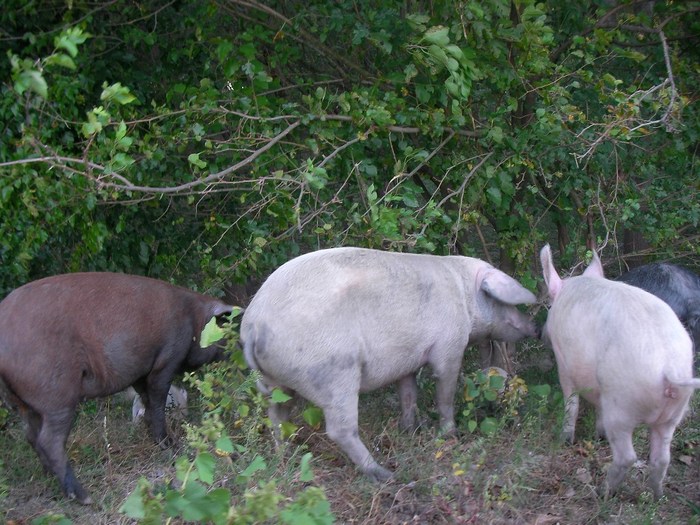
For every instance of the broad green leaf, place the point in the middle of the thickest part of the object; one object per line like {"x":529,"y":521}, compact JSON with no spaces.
{"x":224,"y":444}
{"x":497,"y":382}
{"x":211,"y":333}
{"x":541,"y":390}
{"x":32,"y":80}
{"x":313,"y":416}
{"x":133,"y":505}
{"x":256,"y":465}
{"x":287,"y":429}
{"x":495,"y":196}
{"x":278,"y":396}
{"x":205,"y":464}
{"x":117,"y":93}
{"x":455,"y":51}
{"x":193,"y":158}
{"x":490,"y":395}
{"x":438,"y":54}
{"x":438,"y":35}
{"x":489,"y":426}
{"x":60,"y":59}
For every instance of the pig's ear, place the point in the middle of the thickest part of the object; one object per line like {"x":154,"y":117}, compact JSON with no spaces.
{"x":595,"y":269}
{"x":504,"y":288}
{"x":219,"y":309}
{"x":551,"y":277}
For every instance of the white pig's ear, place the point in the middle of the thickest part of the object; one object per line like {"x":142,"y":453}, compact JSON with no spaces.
{"x":551,"y":277}
{"x":504,"y":288}
{"x":595,"y":269}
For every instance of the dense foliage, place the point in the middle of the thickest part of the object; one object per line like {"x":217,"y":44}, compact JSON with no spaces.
{"x":209,"y":141}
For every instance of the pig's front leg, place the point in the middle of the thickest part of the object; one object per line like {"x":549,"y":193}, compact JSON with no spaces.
{"x":408,"y":394}
{"x":447,"y":372}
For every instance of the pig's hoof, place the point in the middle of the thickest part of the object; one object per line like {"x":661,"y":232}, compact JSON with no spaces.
{"x":379,"y":474}
{"x":165,"y":442}
{"x":80,"y":496}
{"x":567,"y":437}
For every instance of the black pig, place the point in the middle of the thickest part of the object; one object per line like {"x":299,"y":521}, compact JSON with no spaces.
{"x":676,"y":286}
{"x":67,"y":338}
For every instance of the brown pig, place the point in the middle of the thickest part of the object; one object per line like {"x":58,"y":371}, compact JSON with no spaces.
{"x":67,"y":338}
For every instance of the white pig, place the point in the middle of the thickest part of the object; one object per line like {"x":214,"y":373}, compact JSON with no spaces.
{"x":333,"y":323}
{"x":626,"y":352}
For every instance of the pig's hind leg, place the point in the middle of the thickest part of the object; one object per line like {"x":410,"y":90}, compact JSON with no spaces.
{"x":157,"y":387}
{"x":408,"y":394}
{"x":279,"y":412}
{"x":619,"y":434}
{"x":659,"y":456}
{"x":342,"y":427}
{"x":154,"y":414}
{"x":50,"y":444}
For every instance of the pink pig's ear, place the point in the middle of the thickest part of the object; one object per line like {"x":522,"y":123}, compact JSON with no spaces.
{"x":551,"y":277}
{"x":595,"y":269}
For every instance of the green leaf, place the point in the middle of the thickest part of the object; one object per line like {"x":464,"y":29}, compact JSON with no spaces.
{"x":205,"y":464}
{"x":117,"y":93}
{"x":142,"y":506}
{"x":496,"y":134}
{"x":211,"y":333}
{"x":306,"y":474}
{"x":541,"y":390}
{"x":438,"y":54}
{"x":495,"y":196}
{"x":69,"y":40}
{"x":313,"y":416}
{"x":455,"y":51}
{"x":224,"y":444}
{"x":438,"y":35}
{"x":32,"y":80}
{"x":471,"y":425}
{"x":133,"y":505}
{"x":193,"y":158}
{"x":287,"y":429}
{"x":489,"y":426}
{"x":497,"y":382}
{"x":60,"y":59}
{"x":278,"y":396}
{"x":256,"y":465}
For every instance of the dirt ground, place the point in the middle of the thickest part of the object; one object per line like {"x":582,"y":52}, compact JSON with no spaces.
{"x":521,"y":475}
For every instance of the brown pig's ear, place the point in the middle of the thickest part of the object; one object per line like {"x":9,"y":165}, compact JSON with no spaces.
{"x":221,"y":309}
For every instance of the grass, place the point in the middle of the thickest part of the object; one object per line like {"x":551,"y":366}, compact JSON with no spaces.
{"x":521,"y":474}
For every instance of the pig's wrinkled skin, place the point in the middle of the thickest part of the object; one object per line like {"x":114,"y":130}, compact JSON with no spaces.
{"x":626,"y":352}
{"x":676,"y":286}
{"x":333,"y":323}
{"x":77,"y":336}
